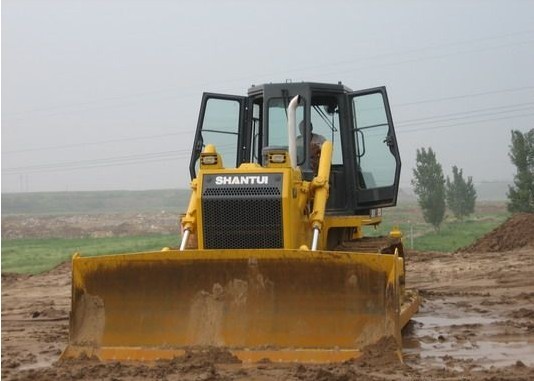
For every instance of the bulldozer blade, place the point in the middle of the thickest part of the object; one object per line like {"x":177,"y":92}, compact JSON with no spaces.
{"x":284,"y":305}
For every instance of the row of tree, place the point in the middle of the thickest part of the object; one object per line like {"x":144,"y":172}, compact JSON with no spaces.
{"x":435,"y":193}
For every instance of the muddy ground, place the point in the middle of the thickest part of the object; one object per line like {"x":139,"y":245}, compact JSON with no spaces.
{"x":476,"y":323}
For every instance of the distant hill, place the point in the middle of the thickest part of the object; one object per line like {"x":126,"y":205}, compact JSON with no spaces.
{"x":41,"y":203}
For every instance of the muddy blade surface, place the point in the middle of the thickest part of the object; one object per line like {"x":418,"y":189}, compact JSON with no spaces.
{"x":267,"y":303}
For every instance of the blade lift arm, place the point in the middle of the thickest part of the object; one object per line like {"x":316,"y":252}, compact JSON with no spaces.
{"x":189,"y":221}
{"x":320,"y":188}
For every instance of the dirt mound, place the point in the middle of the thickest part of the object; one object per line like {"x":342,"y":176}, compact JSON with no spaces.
{"x":384,"y":352}
{"x":515,"y":233}
{"x":213,"y":355}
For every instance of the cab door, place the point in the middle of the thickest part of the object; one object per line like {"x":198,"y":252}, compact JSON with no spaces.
{"x":377,"y":156}
{"x":221,"y":122}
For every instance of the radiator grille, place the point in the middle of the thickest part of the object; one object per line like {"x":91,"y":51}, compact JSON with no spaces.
{"x":242,"y":192}
{"x":242,"y":217}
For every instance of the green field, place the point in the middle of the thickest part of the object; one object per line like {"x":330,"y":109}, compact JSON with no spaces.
{"x":37,"y":255}
{"x":453,"y":234}
{"x":456,"y":235}
{"x":33,"y":256}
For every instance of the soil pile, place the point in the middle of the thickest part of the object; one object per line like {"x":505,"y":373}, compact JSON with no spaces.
{"x":213,"y":355}
{"x":515,"y":233}
{"x":385,"y":352}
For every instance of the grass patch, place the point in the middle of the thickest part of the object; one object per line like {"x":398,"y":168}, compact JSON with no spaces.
{"x":455,"y":235}
{"x":32,"y":256}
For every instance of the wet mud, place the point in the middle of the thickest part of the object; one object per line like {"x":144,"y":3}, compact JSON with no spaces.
{"x":476,"y":323}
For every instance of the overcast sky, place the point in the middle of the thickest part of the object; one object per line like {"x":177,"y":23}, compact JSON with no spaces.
{"x":105,"y":94}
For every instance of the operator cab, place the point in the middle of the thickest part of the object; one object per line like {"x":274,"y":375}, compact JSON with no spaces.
{"x":365,"y":163}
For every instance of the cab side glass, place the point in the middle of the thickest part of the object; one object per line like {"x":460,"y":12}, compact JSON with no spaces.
{"x":220,"y":127}
{"x":375,"y":158}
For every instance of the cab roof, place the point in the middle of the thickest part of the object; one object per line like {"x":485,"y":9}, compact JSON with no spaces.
{"x":298,"y":87}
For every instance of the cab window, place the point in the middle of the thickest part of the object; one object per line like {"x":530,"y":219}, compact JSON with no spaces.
{"x":376,"y":160}
{"x":277,"y":116}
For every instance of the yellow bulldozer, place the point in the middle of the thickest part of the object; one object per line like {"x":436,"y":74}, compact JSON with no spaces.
{"x":274,"y":260}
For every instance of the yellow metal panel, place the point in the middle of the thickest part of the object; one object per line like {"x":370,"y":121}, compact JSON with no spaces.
{"x":246,"y":300}
{"x":251,"y":168}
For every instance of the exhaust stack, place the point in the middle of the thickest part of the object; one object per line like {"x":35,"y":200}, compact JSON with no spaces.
{"x":291,"y":129}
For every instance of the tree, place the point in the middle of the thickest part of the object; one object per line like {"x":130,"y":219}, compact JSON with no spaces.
{"x":429,"y":186}
{"x":460,"y":194}
{"x":521,"y":194}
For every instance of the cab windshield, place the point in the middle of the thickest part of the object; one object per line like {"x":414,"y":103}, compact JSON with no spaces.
{"x":277,"y":126}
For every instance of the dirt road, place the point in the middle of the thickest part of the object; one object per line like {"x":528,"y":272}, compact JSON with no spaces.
{"x":476,"y":323}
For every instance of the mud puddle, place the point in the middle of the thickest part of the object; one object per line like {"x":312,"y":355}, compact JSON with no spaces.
{"x":471,"y":325}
